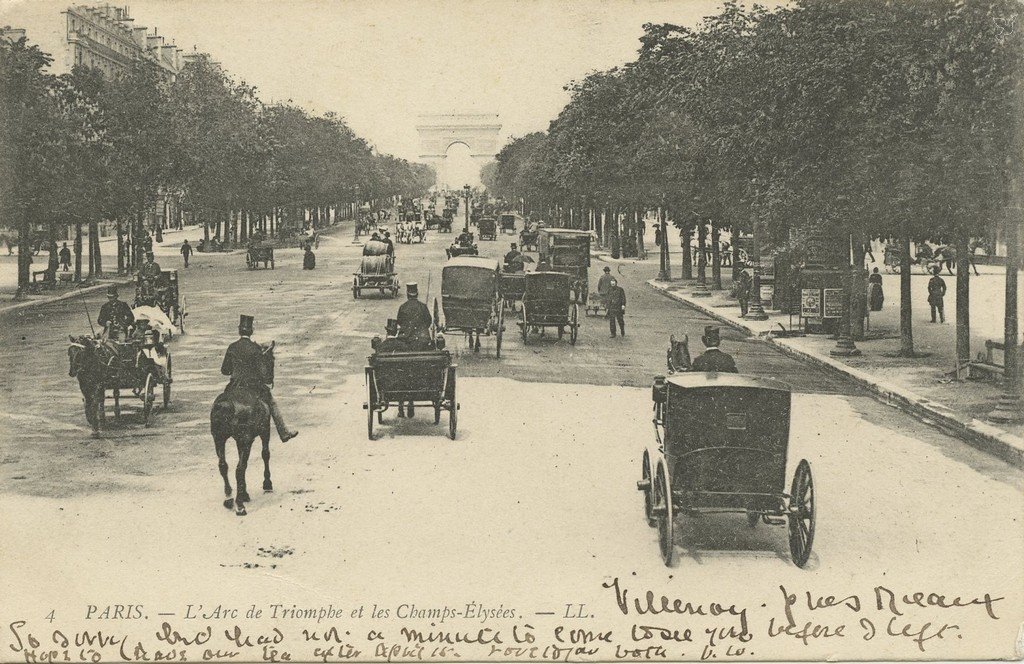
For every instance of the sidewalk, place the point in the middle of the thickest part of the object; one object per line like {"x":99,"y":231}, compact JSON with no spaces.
{"x":922,"y":387}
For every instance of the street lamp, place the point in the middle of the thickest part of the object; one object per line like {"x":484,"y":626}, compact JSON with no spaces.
{"x":466,"y":192}
{"x":755,"y":311}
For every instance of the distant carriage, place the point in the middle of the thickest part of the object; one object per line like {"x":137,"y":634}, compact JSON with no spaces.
{"x":376,"y":271}
{"x":258,"y":255}
{"x":470,"y":300}
{"x":487,"y":228}
{"x":548,"y":301}
{"x":164,"y":294}
{"x":567,"y":250}
{"x":508,"y":224}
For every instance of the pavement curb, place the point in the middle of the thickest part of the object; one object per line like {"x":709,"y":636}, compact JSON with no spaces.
{"x":75,"y":292}
{"x":976,"y":433}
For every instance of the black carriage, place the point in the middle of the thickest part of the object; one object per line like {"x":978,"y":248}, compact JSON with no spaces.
{"x":470,"y":300}
{"x":511,"y":288}
{"x":409,"y":379}
{"x":461,"y":249}
{"x":164,"y":294}
{"x":567,"y":250}
{"x":132,"y":367}
{"x":508,"y":224}
{"x":528,"y":239}
{"x":487,"y":227}
{"x":376,"y":271}
{"x":259,"y":255}
{"x":722,"y":447}
{"x":548,"y":302}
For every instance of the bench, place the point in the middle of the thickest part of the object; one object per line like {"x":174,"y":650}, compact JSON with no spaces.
{"x":986,"y":363}
{"x":41,"y":280}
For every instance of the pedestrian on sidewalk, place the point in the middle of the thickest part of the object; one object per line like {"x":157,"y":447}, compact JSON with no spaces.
{"x":65,"y":258}
{"x":186,"y":251}
{"x":936,"y":293}
{"x":743,"y":286}
{"x":309,"y":258}
{"x":603,"y":284}
{"x":616,"y":307}
{"x":875,"y":295}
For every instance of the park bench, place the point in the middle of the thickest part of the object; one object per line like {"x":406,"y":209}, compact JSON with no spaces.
{"x":987,"y":365}
{"x":41,"y":280}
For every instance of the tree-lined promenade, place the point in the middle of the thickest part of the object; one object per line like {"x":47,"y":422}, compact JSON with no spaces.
{"x":845,"y":121}
{"x":79,"y":149}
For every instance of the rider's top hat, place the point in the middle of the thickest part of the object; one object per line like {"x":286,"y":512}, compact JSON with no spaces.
{"x":607,"y":269}
{"x":112,"y":290}
{"x":245,"y":324}
{"x":711,"y":336}
{"x":412,"y":289}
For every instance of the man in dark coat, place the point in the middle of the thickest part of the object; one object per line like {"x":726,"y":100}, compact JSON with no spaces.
{"x":186,"y":251}
{"x":713,"y":359}
{"x":309,"y":259}
{"x":414,"y":319}
{"x":936,"y":293}
{"x":244,"y":363}
{"x":65,"y":258}
{"x":616,"y":302}
{"x":743,"y":287}
{"x":115,"y":316}
{"x":387,"y":240}
{"x":513,"y":254}
{"x":150,"y":269}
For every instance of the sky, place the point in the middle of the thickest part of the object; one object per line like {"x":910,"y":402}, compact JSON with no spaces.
{"x":381,"y":64}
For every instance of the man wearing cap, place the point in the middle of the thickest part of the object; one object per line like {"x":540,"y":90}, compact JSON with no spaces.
{"x":115,"y":315}
{"x":713,"y":359}
{"x":150,"y":269}
{"x":387,"y":240}
{"x":602,"y":285}
{"x":414,"y":319}
{"x":244,"y":362}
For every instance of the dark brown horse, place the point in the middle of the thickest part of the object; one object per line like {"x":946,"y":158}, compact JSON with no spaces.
{"x":241,"y":413}
{"x":88,"y":363}
{"x":678,"y":354}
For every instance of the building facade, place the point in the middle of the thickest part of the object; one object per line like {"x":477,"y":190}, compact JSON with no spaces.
{"x":106,"y":38}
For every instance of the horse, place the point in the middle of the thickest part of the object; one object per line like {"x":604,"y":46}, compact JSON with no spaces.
{"x":241,"y":413}
{"x":678,"y":354}
{"x":86,"y":363}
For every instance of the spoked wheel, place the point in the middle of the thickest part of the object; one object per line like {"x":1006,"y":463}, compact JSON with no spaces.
{"x":453,"y":414}
{"x":369,"y":409}
{"x":664,"y":513}
{"x":801,"y":514}
{"x":574,"y":331}
{"x":645,"y":485}
{"x":167,"y":383}
{"x":524,"y":328}
{"x":437,"y":413}
{"x":501,"y":329}
{"x":148,"y":396}
{"x":355,"y":289}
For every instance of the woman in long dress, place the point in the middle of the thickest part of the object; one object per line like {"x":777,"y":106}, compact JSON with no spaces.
{"x":875,"y":295}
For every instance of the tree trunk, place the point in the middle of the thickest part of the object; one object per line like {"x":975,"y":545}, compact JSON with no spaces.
{"x":858,"y":301}
{"x":702,"y":262}
{"x":24,"y":254}
{"x":78,"y":250}
{"x":963,"y":301}
{"x":716,"y":257}
{"x":687,"y":254}
{"x":120,"y":246}
{"x":51,"y":264}
{"x":94,"y":237}
{"x":906,"y":310}
{"x":137,"y":236}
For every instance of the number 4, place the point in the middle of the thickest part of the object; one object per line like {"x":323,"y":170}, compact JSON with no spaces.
{"x":49,"y":616}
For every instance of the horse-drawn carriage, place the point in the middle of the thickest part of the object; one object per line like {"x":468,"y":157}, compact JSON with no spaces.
{"x":508,"y":224}
{"x":462,"y":248}
{"x":470,"y":300}
{"x":376,"y":271}
{"x":548,"y":301}
{"x":259,"y":254}
{"x":487,"y":227}
{"x":135,"y":366}
{"x":567,"y":250}
{"x":722,"y":447}
{"x":511,"y":288}
{"x":529,"y":238}
{"x":164,"y":294}
{"x":410,"y":379}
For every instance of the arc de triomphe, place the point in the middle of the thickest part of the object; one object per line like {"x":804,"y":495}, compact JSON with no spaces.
{"x":478,"y":131}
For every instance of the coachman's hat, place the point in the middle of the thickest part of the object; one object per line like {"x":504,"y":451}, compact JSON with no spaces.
{"x":245,"y":324}
{"x":112,"y":290}
{"x":412,"y":289}
{"x":712,"y":335}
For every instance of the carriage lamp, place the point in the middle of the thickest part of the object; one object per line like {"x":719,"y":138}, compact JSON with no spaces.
{"x":659,"y":390}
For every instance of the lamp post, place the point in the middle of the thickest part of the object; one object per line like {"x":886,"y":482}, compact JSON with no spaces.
{"x":755,"y":311}
{"x":1009,"y":408}
{"x":665,"y":273}
{"x":466,"y":192}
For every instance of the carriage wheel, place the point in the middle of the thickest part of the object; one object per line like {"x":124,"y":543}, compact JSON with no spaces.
{"x":801,"y":514}
{"x":355,"y":289}
{"x":453,"y":413}
{"x":664,"y":513}
{"x":501,"y":329}
{"x":645,"y":486}
{"x":148,"y":396}
{"x":523,"y":325}
{"x":167,"y":383}
{"x":437,"y":413}
{"x":574,"y":331}
{"x":369,"y":409}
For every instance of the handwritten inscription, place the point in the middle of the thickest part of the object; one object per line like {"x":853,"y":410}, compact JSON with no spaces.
{"x":658,"y":626}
